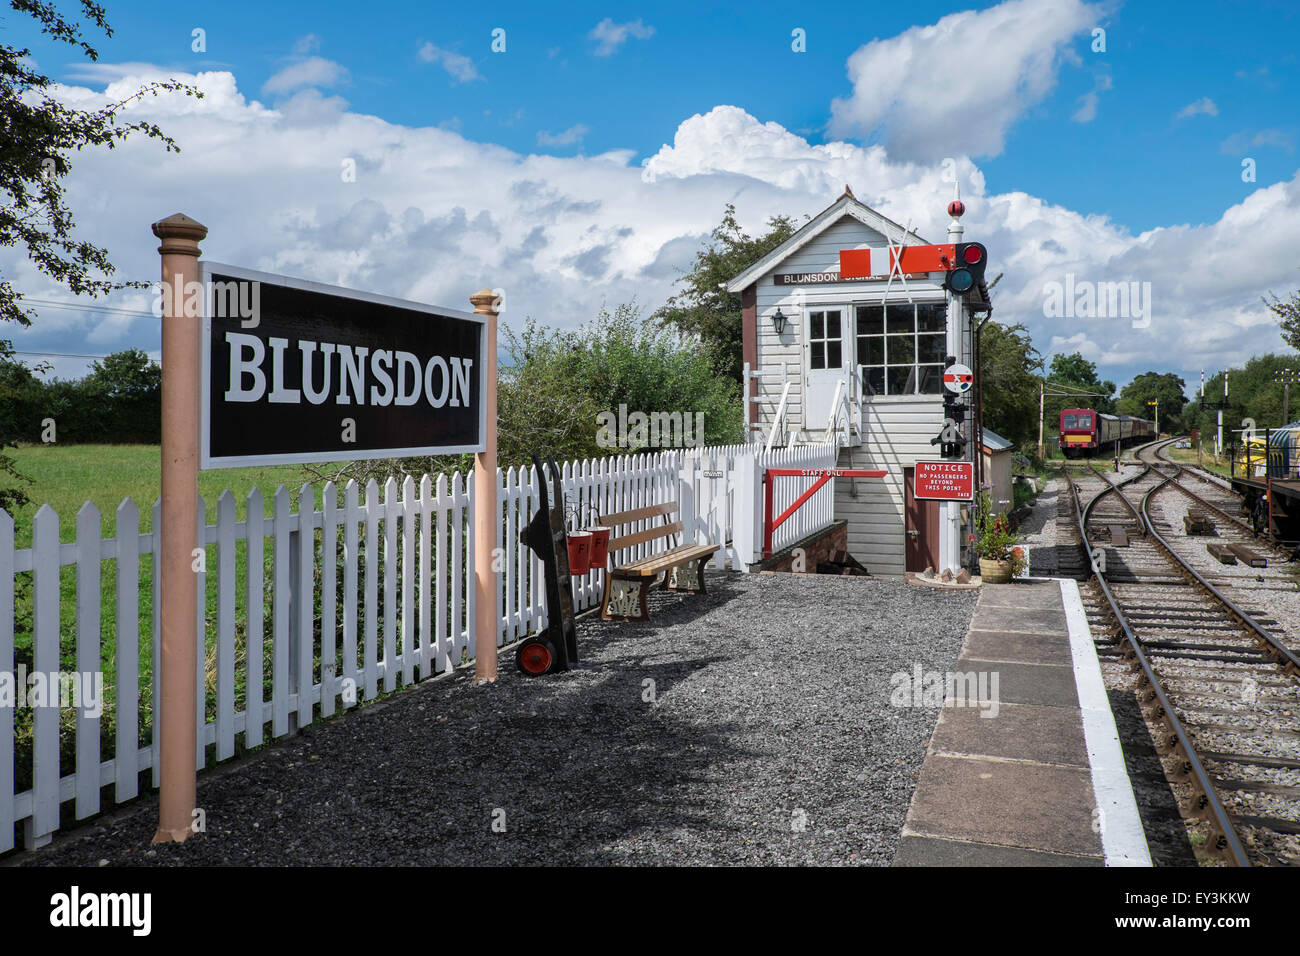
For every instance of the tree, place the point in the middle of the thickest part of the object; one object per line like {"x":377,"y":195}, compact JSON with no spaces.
{"x":1165,"y":388}
{"x":1253,"y":396}
{"x":127,"y":376}
{"x":702,"y":308}
{"x":18,"y":386}
{"x":1074,"y":374}
{"x":40,"y":134}
{"x":1072,"y":368}
{"x":126,"y":390}
{"x":1009,"y":364}
{"x":1288,"y":313}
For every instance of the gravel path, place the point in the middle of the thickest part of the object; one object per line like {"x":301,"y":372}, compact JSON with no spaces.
{"x":1039,"y":528}
{"x":771,"y":741}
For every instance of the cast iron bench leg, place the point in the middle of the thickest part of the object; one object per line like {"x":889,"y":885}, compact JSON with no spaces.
{"x":625,"y":598}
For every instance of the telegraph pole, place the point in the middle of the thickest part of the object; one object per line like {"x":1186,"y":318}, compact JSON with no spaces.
{"x":1042,"y":385}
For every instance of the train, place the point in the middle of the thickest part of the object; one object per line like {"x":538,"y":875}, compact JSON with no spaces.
{"x":1284,"y":452}
{"x":1084,"y":431}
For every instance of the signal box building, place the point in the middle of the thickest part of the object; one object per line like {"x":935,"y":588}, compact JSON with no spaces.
{"x":858,"y":362}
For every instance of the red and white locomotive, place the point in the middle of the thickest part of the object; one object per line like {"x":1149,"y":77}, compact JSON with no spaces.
{"x":1084,"y":431}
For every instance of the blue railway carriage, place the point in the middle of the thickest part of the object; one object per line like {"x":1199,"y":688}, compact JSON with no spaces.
{"x":1284,"y":452}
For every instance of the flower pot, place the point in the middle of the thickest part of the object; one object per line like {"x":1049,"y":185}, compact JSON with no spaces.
{"x":579,"y":552}
{"x":995,"y":572}
{"x":599,"y":546}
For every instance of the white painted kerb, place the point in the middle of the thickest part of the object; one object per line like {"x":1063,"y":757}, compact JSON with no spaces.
{"x":1123,"y":840}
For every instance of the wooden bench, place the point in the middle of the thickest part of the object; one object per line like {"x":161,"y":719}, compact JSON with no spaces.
{"x":626,"y":586}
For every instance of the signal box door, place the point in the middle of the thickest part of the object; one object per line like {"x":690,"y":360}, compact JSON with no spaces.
{"x":826,"y":364}
{"x":921,"y":527}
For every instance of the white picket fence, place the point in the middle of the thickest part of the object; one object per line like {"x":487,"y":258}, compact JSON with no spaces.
{"x":392,"y":574}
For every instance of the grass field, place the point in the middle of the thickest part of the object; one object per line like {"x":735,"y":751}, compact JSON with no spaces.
{"x":1187,"y":456}
{"x":65,"y":477}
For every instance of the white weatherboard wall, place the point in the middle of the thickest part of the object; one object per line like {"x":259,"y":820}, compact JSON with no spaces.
{"x":896,"y":434}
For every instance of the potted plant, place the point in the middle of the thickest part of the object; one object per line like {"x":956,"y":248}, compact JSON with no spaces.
{"x":998,"y":547}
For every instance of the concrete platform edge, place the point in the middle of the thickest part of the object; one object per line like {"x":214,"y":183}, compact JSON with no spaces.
{"x":1123,"y":839}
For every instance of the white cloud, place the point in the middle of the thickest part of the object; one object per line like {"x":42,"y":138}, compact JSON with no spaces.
{"x":313,"y":71}
{"x":433,"y":216}
{"x":570,"y":136}
{"x":460,"y":68}
{"x":955,"y":88}
{"x":1238,"y":142}
{"x":1204,"y":105}
{"x":1087,"y":111}
{"x":609,"y":36}
{"x":306,"y":44}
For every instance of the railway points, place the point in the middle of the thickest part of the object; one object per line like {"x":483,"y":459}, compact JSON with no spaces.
{"x":1208,"y":650}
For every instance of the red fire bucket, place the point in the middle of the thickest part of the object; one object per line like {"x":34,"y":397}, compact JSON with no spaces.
{"x":580,"y":552}
{"x":599,"y":547}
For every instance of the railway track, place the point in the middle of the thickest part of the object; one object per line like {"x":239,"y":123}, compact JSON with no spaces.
{"x":1217,"y":682}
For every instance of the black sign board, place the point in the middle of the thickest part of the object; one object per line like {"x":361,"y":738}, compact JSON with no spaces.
{"x":295,"y":371}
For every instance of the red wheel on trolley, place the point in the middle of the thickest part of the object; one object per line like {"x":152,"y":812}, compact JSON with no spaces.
{"x":535,"y":656}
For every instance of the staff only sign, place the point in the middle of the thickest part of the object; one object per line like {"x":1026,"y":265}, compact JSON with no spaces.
{"x":295,"y":371}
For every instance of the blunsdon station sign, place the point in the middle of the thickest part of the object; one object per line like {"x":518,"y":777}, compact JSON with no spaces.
{"x":296,"y":371}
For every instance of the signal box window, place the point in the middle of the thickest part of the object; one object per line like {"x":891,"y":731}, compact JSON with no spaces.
{"x":825,"y":348}
{"x":902,"y":348}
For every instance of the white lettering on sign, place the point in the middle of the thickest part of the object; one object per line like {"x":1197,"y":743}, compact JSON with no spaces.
{"x":398,"y":377}
{"x":951,"y":480}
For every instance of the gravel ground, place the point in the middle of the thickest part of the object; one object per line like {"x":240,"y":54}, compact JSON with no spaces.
{"x":1039,"y":528}
{"x":770,"y":740}
{"x":1273,"y":591}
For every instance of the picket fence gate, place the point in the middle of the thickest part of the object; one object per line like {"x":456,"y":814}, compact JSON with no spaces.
{"x":393,"y":577}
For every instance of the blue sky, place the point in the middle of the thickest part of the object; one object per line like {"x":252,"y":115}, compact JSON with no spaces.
{"x":1148,"y":135}
{"x":1134,"y":162}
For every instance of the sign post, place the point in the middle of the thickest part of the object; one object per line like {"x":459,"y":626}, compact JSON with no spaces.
{"x":265,"y":369}
{"x":178,"y":655}
{"x":486,"y":511}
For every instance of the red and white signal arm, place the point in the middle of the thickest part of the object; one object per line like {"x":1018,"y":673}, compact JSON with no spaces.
{"x":945,"y":480}
{"x":958,"y":378}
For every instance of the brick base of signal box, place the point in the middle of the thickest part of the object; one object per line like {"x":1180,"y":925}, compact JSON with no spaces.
{"x":817,"y":547}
